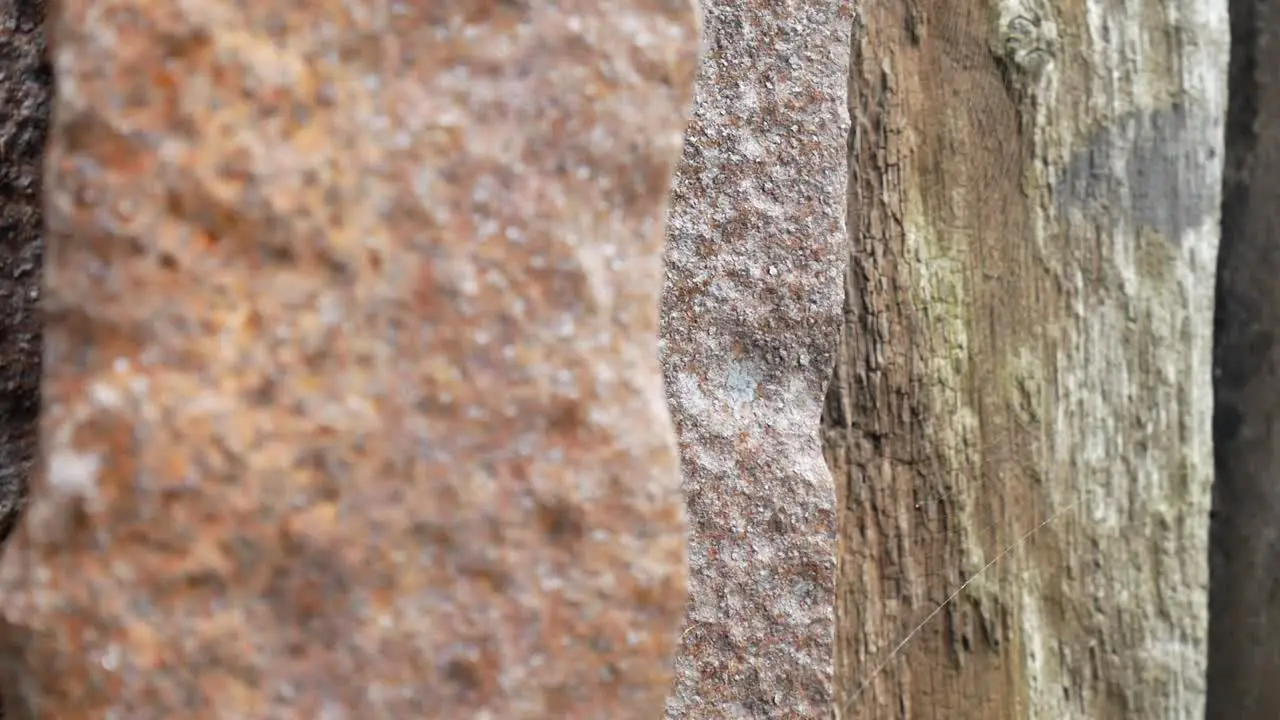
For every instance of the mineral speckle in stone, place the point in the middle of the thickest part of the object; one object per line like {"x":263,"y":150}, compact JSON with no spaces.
{"x":750,"y":320}
{"x":353,"y":406}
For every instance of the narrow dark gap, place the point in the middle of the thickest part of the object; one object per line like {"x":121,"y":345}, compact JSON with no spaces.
{"x":1244,"y":524}
{"x":26,"y":87}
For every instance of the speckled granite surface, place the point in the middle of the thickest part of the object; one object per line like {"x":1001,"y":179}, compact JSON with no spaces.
{"x":751,"y":315}
{"x":352,"y":398}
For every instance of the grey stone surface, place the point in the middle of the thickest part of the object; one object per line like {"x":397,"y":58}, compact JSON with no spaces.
{"x":755,"y":257}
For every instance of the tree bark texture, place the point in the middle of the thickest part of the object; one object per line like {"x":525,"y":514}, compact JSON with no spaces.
{"x":1020,"y":421}
{"x":1244,"y":594}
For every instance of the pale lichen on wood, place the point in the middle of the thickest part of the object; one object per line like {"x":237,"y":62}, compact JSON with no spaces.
{"x":1027,"y":352}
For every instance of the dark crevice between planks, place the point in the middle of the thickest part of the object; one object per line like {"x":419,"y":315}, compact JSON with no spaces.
{"x":1244,"y":526}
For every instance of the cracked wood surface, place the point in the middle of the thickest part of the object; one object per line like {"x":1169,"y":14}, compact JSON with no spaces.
{"x":1033,"y":217}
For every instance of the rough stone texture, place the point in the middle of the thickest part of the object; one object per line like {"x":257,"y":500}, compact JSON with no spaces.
{"x":750,"y":319}
{"x":1244,"y":531}
{"x":352,"y":398}
{"x":24,"y":98}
